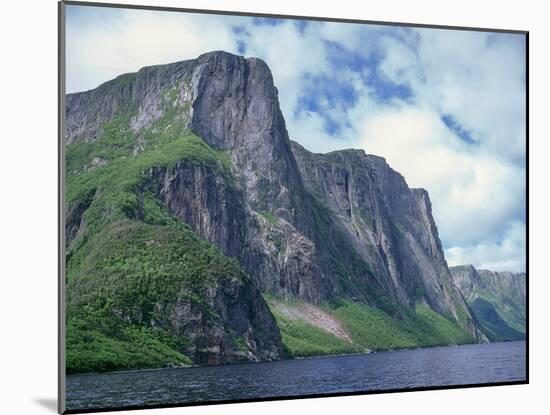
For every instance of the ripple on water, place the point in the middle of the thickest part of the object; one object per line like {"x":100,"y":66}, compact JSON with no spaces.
{"x":441,"y":366}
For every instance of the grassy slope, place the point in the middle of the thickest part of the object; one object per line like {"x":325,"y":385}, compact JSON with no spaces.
{"x":370,"y":329}
{"x":133,"y":267}
{"x":487,"y":299}
{"x":302,"y":339}
{"x":492,"y":324}
{"x":117,"y":183}
{"x":132,"y":255}
{"x":504,"y":305}
{"x":97,"y":342}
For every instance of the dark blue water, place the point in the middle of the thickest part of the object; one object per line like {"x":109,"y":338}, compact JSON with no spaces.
{"x":454,"y":365}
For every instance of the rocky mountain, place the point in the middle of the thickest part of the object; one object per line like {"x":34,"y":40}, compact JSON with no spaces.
{"x":390,"y":226}
{"x":498,"y":299}
{"x":198,"y":150}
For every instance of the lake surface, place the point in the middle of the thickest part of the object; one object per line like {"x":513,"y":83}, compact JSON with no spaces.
{"x":440,"y":366}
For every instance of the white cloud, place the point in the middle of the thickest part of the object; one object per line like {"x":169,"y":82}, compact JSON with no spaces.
{"x":507,"y":255}
{"x":400,"y":62}
{"x":308,"y":129}
{"x":290,"y":55}
{"x":472,"y":194}
{"x":475,"y":76}
{"x":132,"y":39}
{"x":477,"y":192}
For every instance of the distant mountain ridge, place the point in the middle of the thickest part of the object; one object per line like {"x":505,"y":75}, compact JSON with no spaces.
{"x":498,"y":300}
{"x":199,"y":149}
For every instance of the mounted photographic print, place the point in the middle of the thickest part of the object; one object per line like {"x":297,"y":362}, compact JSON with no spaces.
{"x":265,"y":207}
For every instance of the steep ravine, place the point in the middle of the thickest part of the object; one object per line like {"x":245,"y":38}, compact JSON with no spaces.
{"x":498,"y":299}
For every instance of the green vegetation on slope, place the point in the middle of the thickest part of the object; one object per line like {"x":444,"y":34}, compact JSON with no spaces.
{"x":186,"y":148}
{"x":504,"y":305}
{"x":376,"y":330}
{"x":270,"y":217}
{"x":492,"y":324}
{"x":131,"y":266}
{"x":137,"y":271}
{"x":302,"y":339}
{"x":369,"y":328}
{"x":97,"y":341}
{"x":497,"y":299}
{"x":115,"y":187}
{"x":133,"y":255}
{"x":116,"y":139}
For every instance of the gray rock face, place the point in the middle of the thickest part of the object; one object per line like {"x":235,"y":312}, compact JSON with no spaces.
{"x":202,"y":198}
{"x":279,"y":258}
{"x":74,"y":224}
{"x":241,"y":310}
{"x":389,"y":225}
{"x":303,"y":225}
{"x":224,"y":321}
{"x":236,"y":109}
{"x":139,"y":92}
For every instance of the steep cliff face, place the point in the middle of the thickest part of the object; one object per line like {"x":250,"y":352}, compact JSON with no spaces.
{"x":497,"y":298}
{"x":200,"y":196}
{"x":236,"y":109}
{"x":390,"y":226}
{"x":229,"y":101}
{"x":204,"y":142}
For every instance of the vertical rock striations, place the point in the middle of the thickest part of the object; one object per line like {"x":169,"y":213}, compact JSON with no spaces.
{"x":389,"y":225}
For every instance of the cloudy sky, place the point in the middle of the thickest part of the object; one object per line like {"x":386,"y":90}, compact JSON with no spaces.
{"x":445,"y":108}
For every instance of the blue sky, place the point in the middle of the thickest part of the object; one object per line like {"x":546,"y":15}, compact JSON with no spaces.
{"x":445,"y":108}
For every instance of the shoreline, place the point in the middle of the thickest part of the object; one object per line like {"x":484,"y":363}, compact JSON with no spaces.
{"x":282,"y":360}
